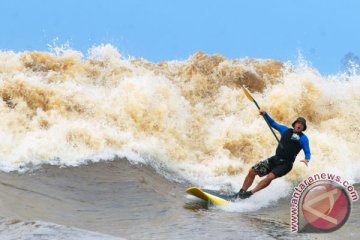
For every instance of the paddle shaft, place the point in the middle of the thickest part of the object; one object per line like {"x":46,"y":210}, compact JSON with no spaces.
{"x":248,"y":95}
{"x":272,"y":130}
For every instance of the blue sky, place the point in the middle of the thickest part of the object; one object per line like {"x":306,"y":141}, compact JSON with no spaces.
{"x":323,"y":30}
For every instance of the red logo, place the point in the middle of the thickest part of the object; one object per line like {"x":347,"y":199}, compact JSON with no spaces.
{"x":325,"y":206}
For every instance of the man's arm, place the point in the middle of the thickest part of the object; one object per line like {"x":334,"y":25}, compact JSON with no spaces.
{"x":304,"y":142}
{"x":281,"y":128}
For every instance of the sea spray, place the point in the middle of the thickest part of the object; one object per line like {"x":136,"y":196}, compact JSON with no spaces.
{"x":190,"y":116}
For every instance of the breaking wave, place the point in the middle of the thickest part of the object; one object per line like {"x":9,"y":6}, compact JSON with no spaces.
{"x":187,"y":118}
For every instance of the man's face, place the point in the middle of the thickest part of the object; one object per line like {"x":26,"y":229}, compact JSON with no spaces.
{"x":299,"y":127}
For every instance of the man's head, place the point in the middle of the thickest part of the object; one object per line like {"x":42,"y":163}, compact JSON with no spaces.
{"x":299,"y":124}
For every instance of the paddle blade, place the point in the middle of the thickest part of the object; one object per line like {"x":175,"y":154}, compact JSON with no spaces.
{"x":248,"y":95}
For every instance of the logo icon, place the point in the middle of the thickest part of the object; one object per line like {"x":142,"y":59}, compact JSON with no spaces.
{"x":325,"y":207}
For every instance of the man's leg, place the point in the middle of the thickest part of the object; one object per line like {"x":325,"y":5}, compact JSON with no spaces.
{"x":280,"y":171}
{"x":249,"y":179}
{"x":264,"y":183}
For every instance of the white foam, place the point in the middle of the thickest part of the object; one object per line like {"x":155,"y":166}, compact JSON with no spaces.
{"x":188,"y":119}
{"x":269,"y":196}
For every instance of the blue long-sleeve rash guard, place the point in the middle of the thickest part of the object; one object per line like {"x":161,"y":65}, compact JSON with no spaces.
{"x":304,"y":141}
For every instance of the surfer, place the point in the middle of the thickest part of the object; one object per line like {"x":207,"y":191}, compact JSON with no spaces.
{"x":291,"y":142}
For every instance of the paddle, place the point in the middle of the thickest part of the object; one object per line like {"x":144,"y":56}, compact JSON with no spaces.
{"x":248,"y":95}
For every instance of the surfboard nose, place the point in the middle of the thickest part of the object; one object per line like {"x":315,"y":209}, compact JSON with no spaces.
{"x":209,"y":197}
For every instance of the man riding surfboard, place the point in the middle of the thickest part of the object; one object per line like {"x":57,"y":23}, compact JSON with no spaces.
{"x":291,"y":142}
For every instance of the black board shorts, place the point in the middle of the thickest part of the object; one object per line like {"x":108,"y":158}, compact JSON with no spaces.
{"x":279,"y":167}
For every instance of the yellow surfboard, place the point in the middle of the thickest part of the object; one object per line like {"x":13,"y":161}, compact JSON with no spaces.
{"x":206,"y":196}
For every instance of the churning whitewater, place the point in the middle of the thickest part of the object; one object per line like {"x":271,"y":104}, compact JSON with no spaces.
{"x":188,"y":119}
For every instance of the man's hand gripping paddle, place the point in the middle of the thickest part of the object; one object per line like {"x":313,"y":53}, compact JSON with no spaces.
{"x":248,"y":95}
